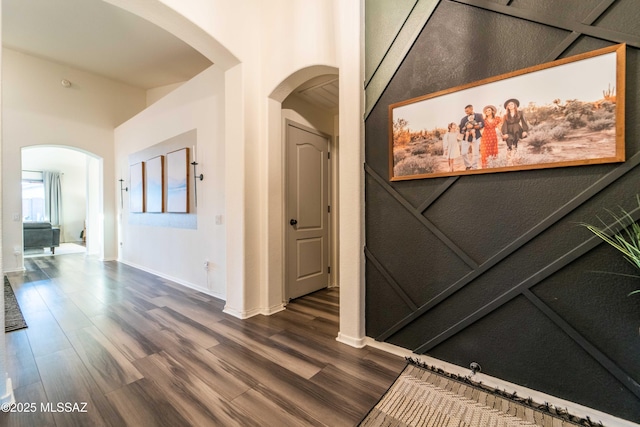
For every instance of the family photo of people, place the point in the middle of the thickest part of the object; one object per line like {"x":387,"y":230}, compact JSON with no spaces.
{"x":564,"y":114}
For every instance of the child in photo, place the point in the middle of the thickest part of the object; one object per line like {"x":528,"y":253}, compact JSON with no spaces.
{"x":451,"y":144}
{"x":469,"y":130}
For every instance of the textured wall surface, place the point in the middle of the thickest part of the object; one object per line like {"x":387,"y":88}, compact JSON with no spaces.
{"x":494,"y":268}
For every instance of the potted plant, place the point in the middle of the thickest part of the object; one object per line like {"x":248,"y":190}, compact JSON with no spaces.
{"x":626,"y":239}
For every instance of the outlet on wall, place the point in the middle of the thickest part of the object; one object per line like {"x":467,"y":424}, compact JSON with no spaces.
{"x":205,"y":265}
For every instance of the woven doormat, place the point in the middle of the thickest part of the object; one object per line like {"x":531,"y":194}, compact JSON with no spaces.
{"x":13,"y":319}
{"x":423,"y":396}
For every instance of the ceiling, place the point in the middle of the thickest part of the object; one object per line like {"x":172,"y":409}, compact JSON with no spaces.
{"x":100,"y":38}
{"x":94,"y":36}
{"x":321,"y":91}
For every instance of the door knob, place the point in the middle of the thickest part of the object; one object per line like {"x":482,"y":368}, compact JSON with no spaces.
{"x":293,"y":222}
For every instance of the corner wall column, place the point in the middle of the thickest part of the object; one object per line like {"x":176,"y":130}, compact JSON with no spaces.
{"x":349,"y":18}
{"x":6,"y":389}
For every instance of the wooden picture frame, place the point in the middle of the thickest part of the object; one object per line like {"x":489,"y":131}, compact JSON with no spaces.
{"x":178,"y":181}
{"x":136,"y":191}
{"x":573,"y":111}
{"x":154,"y":185}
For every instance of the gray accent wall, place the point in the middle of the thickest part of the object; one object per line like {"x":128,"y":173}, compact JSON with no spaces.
{"x":495,"y":268}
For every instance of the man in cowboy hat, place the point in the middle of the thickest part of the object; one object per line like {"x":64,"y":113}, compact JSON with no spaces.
{"x":470,"y":126}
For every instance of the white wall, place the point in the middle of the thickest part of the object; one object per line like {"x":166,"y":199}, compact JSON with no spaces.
{"x":296,"y":34}
{"x":261,"y":45}
{"x":258,"y":46}
{"x":6,"y":388}
{"x":73,"y":165}
{"x":349,"y":29}
{"x":95,"y":226}
{"x":37,"y":110}
{"x":158,"y":93}
{"x":150,"y":241}
{"x":304,"y":37}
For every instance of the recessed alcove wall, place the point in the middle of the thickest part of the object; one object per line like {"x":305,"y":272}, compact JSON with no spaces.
{"x":188,"y":220}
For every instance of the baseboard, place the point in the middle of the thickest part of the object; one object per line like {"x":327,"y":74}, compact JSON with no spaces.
{"x":245,"y":314}
{"x":497,"y":383}
{"x":8,"y":399}
{"x":351,"y":341}
{"x":273,"y":310}
{"x":174,"y":279}
{"x":241,"y":314}
{"x":15,"y":270}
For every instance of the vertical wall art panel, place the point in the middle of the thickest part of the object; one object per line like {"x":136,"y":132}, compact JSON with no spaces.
{"x":136,"y":198}
{"x":154,"y":179}
{"x":177,"y":182}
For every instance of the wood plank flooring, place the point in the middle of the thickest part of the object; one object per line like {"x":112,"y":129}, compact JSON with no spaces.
{"x":110,"y":345}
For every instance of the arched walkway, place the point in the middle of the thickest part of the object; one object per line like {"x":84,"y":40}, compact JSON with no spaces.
{"x":276,"y":202}
{"x":82,"y":190}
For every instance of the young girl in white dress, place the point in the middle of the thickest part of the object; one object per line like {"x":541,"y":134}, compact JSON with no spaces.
{"x":451,"y":144}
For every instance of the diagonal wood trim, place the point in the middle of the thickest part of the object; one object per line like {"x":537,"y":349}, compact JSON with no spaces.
{"x":368,"y":79}
{"x":553,"y":21}
{"x":556,"y":216}
{"x":418,"y":214}
{"x":436,"y":194}
{"x":422,"y":11}
{"x":532,"y":280}
{"x":397,"y":51}
{"x":598,"y":11}
{"x":520,"y":288}
{"x":562,"y":46}
{"x":390,"y":280}
{"x":600,"y":357}
{"x":590,"y":19}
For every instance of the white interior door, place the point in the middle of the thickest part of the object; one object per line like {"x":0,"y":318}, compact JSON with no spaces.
{"x":308,"y":210}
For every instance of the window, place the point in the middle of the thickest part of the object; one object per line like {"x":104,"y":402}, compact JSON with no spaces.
{"x":33,"y":200}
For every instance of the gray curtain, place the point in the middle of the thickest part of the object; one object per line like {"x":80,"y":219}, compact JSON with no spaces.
{"x":52,"y":196}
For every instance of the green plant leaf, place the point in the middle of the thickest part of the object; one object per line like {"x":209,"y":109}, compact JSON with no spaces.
{"x":626,"y":240}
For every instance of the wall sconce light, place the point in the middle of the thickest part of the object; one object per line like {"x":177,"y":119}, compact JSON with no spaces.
{"x":65,"y":83}
{"x":121,"y":190}
{"x":196,"y":177}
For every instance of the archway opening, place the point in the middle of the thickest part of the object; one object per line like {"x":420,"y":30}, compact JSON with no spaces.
{"x":78,"y":206}
{"x":308,"y":97}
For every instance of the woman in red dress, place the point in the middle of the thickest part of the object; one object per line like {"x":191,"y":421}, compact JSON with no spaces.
{"x":489,"y":146}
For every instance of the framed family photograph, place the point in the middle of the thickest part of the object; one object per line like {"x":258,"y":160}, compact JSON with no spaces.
{"x":136,"y":194}
{"x":568,"y":112}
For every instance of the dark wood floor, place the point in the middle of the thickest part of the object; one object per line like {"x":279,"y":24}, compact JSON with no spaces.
{"x":139,"y":350}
